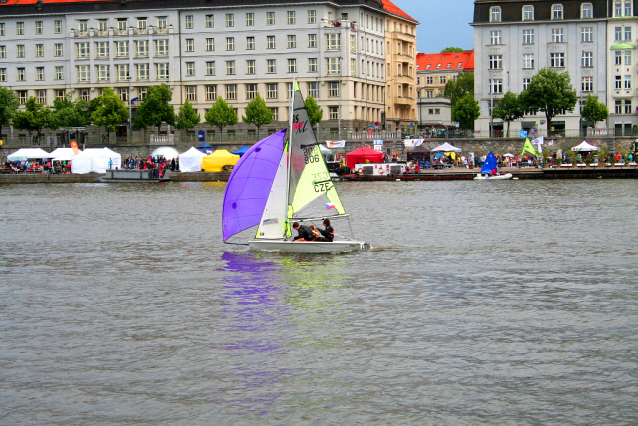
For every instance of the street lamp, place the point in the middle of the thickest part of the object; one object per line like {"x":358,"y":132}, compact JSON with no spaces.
{"x":339,"y":116}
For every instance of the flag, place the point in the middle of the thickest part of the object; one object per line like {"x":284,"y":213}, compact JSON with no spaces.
{"x":330,"y":206}
{"x":528,"y":147}
{"x":539,"y":140}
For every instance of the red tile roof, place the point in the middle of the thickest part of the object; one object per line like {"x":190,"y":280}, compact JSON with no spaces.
{"x":390,"y":7}
{"x":460,"y":61}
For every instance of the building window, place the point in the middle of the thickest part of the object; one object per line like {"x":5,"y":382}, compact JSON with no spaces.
{"x":443,"y":79}
{"x":586,"y":10}
{"x":250,"y":43}
{"x":270,"y":42}
{"x":39,"y":73}
{"x":39,"y":50}
{"x":251,"y":91}
{"x":588,"y":84}
{"x":250,"y":19}
{"x":122,"y":71}
{"x":627,"y":82}
{"x":210,"y":68}
{"x":291,"y":17}
{"x":627,"y":33}
{"x":84,"y":95}
{"x":334,"y":66}
{"x":587,"y":59}
{"x":122,"y":48}
{"x":103,"y":73}
{"x":230,"y":43}
{"x":57,"y":27}
{"x":528,"y":60}
{"x":41,"y":96}
{"x":271,"y":91}
{"x":292,"y":65}
{"x":188,"y":22}
{"x":627,"y":56}
{"x":83,"y":25}
{"x":617,"y":9}
{"x":618,"y":57}
{"x":161,"y":22}
{"x":586,"y":34}
{"x":231,"y":92}
{"x":84,"y":73}
{"x":528,"y":36}
{"x":38,"y":27}
{"x":271,"y":66}
{"x":618,"y":107}
{"x":143,"y":71}
{"x":557,"y":11}
{"x":211,"y":93}
{"x":162,"y":71}
{"x":495,"y":37}
{"x":210,"y":44}
{"x":628,"y":8}
{"x":83,"y":50}
{"x":333,"y":113}
{"x":526,"y":82}
{"x":495,"y":14}
{"x":617,"y":33}
{"x":122,"y":25}
{"x":21,"y":74}
{"x":191,"y":93}
{"x":496,"y":85}
{"x":141,"y":48}
{"x":210,"y":21}
{"x":102,"y":49}
{"x":275,"y":114}
{"x":161,"y":47}
{"x":230,"y":67}
{"x":312,"y":65}
{"x":557,"y":60}
{"x":20,"y":28}
{"x":292,"y":42}
{"x":496,"y":62}
{"x":190,"y":45}
{"x":312,"y":40}
{"x":528,"y":13}
{"x":312,"y":16}
{"x":190,"y":69}
{"x":270,"y":18}
{"x":22,"y":97}
{"x":557,"y":35}
{"x":250,"y":66}
{"x":3,"y":74}
{"x":141,"y":23}
{"x":333,"y":89}
{"x":333,"y":41}
{"x":313,"y":90}
{"x":230,"y":19}
{"x":102,"y":24}
{"x":618,"y":82}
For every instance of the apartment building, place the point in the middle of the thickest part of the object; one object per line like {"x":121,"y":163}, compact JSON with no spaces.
{"x":202,"y":49}
{"x":514,"y":40}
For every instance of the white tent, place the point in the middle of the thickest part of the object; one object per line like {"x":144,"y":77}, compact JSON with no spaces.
{"x":584,"y":146}
{"x":62,"y":152}
{"x":96,"y":160}
{"x":191,"y":160}
{"x":446,"y":147}
{"x":24,"y":154}
{"x":324,"y":150}
{"x":165,"y":151}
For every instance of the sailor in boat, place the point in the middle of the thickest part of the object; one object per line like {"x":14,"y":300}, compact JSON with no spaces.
{"x":305,"y":233}
{"x":326,"y":235}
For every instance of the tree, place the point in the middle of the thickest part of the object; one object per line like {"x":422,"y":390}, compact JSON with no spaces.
{"x":466,"y":111}
{"x":221,"y":115}
{"x":109,"y":112}
{"x":455,"y":90}
{"x":187,"y":117}
{"x":257,"y":113}
{"x":549,"y":92}
{"x":68,"y":113}
{"x":508,"y":109}
{"x":452,"y":49}
{"x":9,"y":104}
{"x":155,"y":109}
{"x":315,"y":114}
{"x":593,"y":110}
{"x":34,"y":118}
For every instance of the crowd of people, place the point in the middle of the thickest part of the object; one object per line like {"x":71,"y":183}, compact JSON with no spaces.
{"x":36,"y":166}
{"x":150,"y":163}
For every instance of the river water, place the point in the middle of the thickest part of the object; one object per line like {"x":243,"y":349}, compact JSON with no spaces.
{"x":498,"y":303}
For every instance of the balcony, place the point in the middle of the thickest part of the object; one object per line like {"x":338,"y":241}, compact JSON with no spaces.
{"x":403,"y":100}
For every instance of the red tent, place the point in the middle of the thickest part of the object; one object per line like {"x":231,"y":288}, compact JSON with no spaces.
{"x":363,"y":155}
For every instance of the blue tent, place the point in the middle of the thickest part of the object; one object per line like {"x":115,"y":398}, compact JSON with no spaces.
{"x":205,"y":148}
{"x":241,"y":151}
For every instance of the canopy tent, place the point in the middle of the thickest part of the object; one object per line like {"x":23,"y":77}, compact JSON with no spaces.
{"x":363,"y":155}
{"x":167,"y":152}
{"x":418,"y":153}
{"x":205,"y":148}
{"x":584,"y":146}
{"x":446,"y":147}
{"x":241,"y":151}
{"x":324,"y":150}
{"x":191,"y":160}
{"x":216,"y":161}
{"x":508,"y":155}
{"x":24,"y":154}
{"x":62,"y":154}
{"x":96,"y":160}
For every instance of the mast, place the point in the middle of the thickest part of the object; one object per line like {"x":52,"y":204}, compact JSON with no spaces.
{"x":291,"y":103}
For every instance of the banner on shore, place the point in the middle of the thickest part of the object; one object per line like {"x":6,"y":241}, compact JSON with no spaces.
{"x":336,"y":144}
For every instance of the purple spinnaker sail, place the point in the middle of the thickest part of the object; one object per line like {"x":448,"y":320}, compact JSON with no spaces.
{"x":249,"y":184}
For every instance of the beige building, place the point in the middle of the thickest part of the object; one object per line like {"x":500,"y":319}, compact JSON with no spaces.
{"x":401,"y":93}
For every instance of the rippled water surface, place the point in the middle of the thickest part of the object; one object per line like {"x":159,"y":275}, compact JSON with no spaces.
{"x":511,"y":302}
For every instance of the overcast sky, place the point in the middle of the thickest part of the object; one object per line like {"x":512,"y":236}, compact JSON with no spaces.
{"x":442,"y":23}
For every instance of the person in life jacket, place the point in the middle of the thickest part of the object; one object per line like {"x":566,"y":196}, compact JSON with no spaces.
{"x":304,"y":233}
{"x":328,"y":234}
{"x":493,"y":172}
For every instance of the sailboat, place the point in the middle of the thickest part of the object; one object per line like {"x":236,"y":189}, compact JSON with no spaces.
{"x":489,"y":170}
{"x":278,"y":182}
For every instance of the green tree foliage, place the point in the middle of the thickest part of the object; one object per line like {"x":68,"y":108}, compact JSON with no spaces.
{"x":156,"y":108}
{"x":466,"y":111}
{"x":68,"y":113}
{"x":187,"y":117}
{"x":593,"y":110}
{"x":464,"y":85}
{"x":452,"y":49}
{"x":34,"y":118}
{"x":508,"y":109}
{"x":110,"y":111}
{"x":550,"y":92}
{"x":9,"y":104}
{"x":221,"y":115}
{"x":315,"y":114}
{"x":257,"y":113}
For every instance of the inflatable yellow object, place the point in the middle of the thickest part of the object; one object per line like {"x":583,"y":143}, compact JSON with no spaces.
{"x":219,"y":161}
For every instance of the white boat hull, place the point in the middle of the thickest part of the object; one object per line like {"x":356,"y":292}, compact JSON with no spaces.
{"x":490,"y":177}
{"x":308,"y":246}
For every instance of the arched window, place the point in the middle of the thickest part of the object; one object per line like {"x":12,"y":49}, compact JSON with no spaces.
{"x":586,"y":10}
{"x":495,"y":14}
{"x":528,"y":13}
{"x":557,"y":11}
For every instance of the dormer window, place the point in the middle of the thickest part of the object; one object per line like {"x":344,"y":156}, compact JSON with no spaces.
{"x":528,"y":13}
{"x":495,"y":14}
{"x":586,"y":10}
{"x":557,"y":11}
